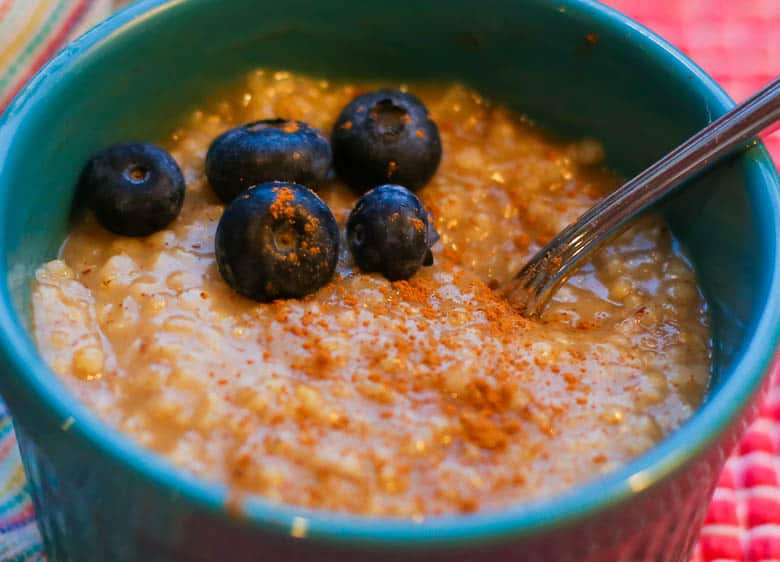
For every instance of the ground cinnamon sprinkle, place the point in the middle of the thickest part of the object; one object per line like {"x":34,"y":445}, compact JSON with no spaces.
{"x":350,"y":300}
{"x":429,"y":312}
{"x":453,"y":255}
{"x":282,"y":205}
{"x":483,"y":431}
{"x":312,"y":224}
{"x":522,"y":240}
{"x":417,"y":290}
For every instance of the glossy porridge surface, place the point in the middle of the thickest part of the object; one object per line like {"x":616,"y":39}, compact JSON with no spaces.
{"x":411,"y":398}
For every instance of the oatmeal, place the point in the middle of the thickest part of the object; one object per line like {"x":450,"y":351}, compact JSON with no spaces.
{"x":408,"y":398}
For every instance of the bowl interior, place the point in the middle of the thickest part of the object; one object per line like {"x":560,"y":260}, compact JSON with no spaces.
{"x":573,"y":66}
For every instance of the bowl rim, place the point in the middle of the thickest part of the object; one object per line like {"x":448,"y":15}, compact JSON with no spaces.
{"x":584,"y":501}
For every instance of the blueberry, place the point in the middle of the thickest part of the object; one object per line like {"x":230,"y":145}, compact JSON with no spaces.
{"x":386,"y":136}
{"x":389,"y":231}
{"x":134,"y":189}
{"x":267,"y":150}
{"x":277,"y":240}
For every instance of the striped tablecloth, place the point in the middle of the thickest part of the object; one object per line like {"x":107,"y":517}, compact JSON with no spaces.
{"x":736,"y":41}
{"x":31,"y":31}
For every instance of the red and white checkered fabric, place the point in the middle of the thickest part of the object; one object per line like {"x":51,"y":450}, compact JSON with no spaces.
{"x":738,"y":43}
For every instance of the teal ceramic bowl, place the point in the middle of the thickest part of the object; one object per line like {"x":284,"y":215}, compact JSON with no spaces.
{"x":100,"y":497}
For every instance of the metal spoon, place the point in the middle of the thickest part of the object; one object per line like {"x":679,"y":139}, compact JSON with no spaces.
{"x":535,"y":284}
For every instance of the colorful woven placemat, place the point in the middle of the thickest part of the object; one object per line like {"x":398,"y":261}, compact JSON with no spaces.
{"x":31,"y":31}
{"x":736,"y":41}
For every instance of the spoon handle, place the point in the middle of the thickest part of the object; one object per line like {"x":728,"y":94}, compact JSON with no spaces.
{"x":533,"y":286}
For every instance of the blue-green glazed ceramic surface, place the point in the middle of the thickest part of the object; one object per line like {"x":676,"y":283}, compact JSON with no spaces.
{"x":100,"y":497}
